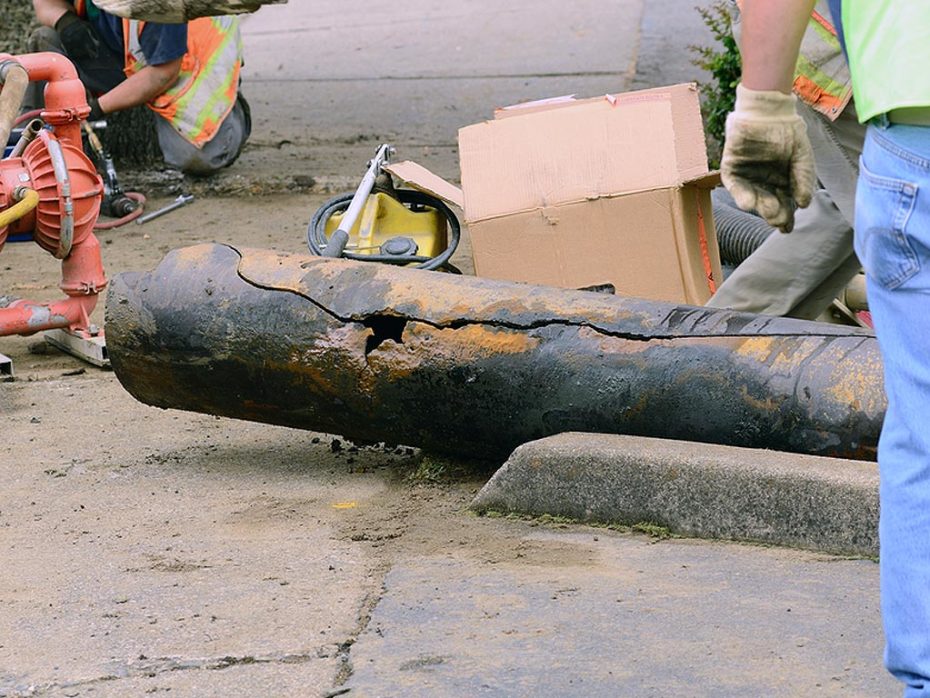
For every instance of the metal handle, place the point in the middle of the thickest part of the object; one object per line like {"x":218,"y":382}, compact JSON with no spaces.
{"x":337,"y":242}
{"x":182,"y":200}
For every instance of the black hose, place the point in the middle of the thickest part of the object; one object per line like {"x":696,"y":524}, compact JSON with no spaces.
{"x":316,"y":231}
{"x":739,"y":234}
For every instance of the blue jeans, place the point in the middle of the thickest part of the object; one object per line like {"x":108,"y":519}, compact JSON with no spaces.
{"x":892,"y":240}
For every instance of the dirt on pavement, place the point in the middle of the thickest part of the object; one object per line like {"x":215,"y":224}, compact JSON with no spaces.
{"x":117,"y":516}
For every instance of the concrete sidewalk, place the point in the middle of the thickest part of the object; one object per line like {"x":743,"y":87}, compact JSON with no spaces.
{"x":581,"y":613}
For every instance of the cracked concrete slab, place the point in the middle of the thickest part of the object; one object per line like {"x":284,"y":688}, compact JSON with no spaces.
{"x":115,"y":567}
{"x":625,"y":617}
{"x":287,"y":678}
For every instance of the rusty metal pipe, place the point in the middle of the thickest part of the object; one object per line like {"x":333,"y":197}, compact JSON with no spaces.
{"x":474,"y":366}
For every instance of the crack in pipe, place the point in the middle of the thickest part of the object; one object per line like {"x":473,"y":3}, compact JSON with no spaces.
{"x":366,"y":318}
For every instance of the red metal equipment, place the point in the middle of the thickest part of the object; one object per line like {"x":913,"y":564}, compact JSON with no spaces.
{"x":54,"y":166}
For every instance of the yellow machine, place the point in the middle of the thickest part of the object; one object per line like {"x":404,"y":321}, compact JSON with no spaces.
{"x":385,"y":219}
{"x":378,"y":223}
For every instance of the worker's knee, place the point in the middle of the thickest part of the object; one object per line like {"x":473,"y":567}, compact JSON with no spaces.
{"x":45,"y":39}
{"x":221,"y":151}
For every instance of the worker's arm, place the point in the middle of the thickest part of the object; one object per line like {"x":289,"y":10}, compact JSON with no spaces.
{"x":772,"y":32}
{"x":48,"y":12}
{"x":768,"y":164}
{"x":143,"y":87}
{"x":77,"y":36}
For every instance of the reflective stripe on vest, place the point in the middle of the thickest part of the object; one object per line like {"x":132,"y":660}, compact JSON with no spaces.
{"x":208,"y":81}
{"x":822,"y":76}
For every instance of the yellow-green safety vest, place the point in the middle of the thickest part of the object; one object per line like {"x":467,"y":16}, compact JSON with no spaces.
{"x":821,"y":76}
{"x":889,"y":53}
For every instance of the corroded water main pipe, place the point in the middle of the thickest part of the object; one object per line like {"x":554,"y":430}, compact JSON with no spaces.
{"x":473,"y":366}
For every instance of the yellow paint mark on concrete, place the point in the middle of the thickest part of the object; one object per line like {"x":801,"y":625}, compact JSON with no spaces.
{"x":345,"y":505}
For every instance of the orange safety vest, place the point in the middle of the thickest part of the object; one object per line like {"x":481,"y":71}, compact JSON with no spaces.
{"x":208,"y":84}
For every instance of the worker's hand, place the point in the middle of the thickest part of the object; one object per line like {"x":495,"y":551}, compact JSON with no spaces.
{"x":768,"y":164}
{"x":77,"y":36}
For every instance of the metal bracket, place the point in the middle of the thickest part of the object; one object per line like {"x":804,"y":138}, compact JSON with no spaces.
{"x":93,"y":350}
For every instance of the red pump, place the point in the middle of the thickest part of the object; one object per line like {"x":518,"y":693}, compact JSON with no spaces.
{"x":69,"y":192}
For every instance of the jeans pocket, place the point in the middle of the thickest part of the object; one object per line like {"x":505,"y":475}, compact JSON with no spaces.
{"x":883,"y":209}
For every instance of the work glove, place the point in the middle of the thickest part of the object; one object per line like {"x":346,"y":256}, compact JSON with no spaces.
{"x":96,"y":113}
{"x":768,"y":164}
{"x":77,"y":36}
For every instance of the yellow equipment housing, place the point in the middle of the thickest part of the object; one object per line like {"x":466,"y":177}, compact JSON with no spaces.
{"x":384,"y":217}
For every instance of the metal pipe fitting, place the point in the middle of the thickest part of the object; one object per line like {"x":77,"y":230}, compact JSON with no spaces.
{"x":29,"y":134}
{"x":60,"y":168}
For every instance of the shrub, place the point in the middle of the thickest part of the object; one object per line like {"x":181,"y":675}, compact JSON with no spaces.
{"x":722,"y":61}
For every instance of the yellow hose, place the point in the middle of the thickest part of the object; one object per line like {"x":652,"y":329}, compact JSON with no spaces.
{"x":29,"y":200}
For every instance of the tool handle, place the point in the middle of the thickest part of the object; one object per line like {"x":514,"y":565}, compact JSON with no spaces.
{"x":182,"y":200}
{"x":336,"y":244}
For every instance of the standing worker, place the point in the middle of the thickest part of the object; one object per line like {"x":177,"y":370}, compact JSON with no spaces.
{"x":767,"y":166}
{"x":799,"y":275}
{"x":187,"y":74}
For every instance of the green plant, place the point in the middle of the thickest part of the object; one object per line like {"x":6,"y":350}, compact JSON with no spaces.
{"x":652,"y":529}
{"x":723,"y":62}
{"x":429,"y":470}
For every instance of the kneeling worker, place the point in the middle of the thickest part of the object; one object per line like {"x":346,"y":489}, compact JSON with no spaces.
{"x":187,"y":74}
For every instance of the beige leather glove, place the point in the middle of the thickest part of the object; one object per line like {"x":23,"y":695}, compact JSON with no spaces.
{"x":768,"y":164}
{"x":179,"y":11}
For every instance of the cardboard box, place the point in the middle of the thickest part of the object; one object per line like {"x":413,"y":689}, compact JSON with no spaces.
{"x":575,"y":193}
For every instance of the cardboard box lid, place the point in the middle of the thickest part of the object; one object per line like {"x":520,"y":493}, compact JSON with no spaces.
{"x":572,"y":150}
{"x":423,"y":180}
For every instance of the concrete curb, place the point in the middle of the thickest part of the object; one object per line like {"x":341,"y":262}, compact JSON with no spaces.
{"x":702,"y":490}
